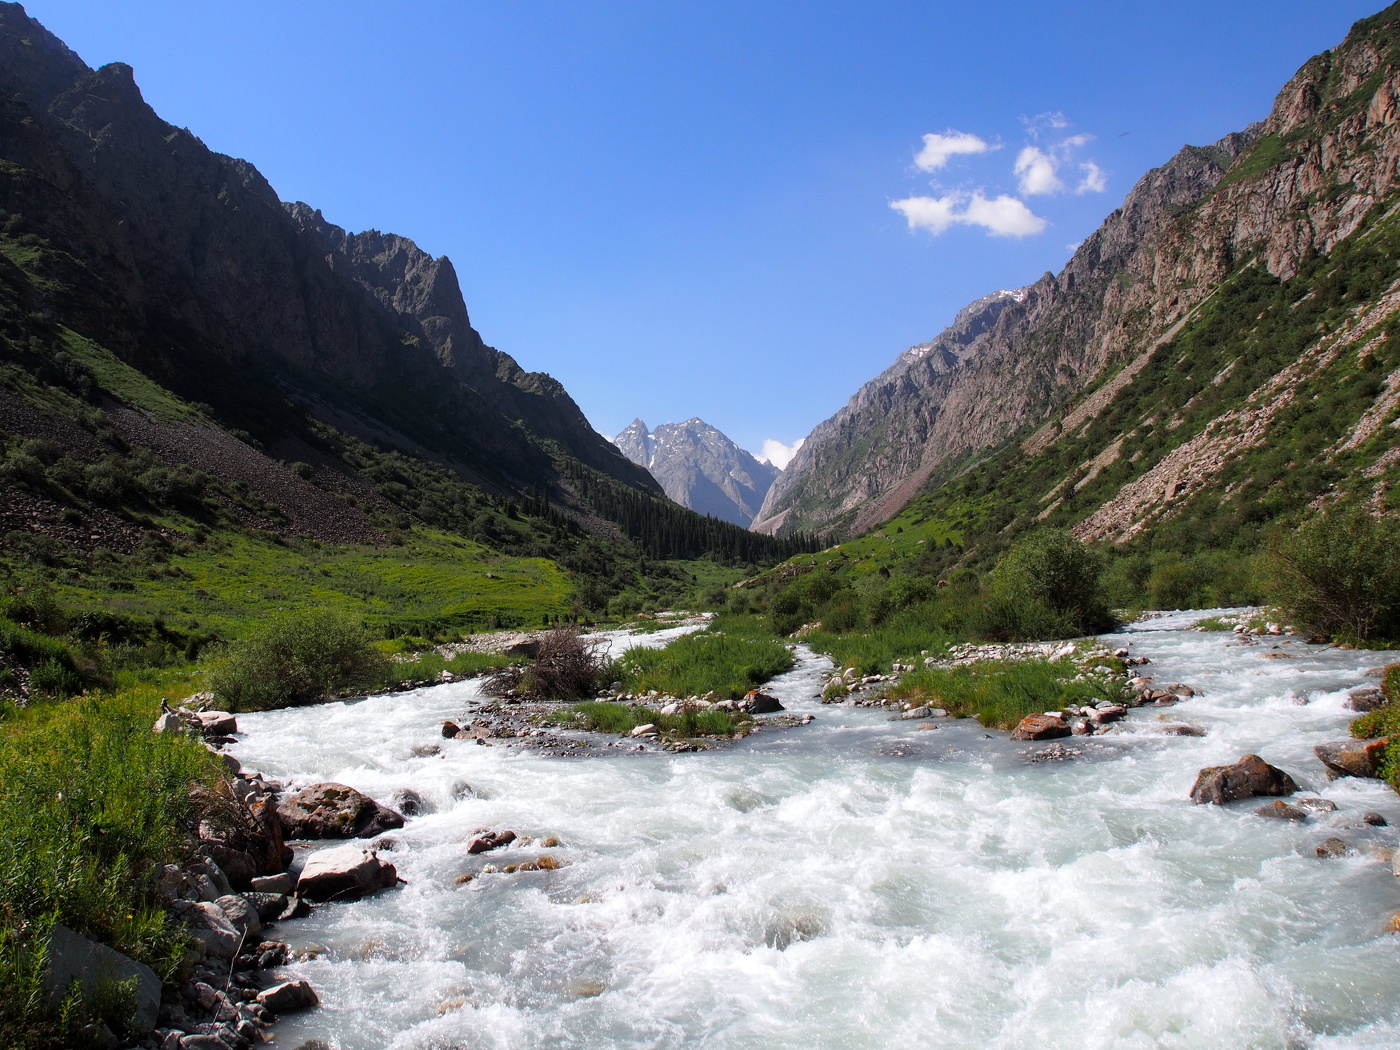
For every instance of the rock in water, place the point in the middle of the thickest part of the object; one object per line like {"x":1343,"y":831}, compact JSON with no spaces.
{"x":344,"y":873}
{"x":1352,"y":758}
{"x":1281,"y":810}
{"x":335,"y":811}
{"x":284,"y":998}
{"x":1249,"y":777}
{"x":760,"y":703}
{"x":72,"y":957}
{"x":1041,"y":727}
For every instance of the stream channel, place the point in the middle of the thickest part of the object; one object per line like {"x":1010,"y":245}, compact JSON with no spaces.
{"x":856,"y":882}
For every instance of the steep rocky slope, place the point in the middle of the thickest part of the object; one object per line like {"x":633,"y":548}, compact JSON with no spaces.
{"x":1271,"y":196}
{"x":700,"y":468}
{"x":1239,"y":367}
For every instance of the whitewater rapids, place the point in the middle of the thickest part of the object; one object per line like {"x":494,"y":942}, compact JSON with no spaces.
{"x":858,"y":882}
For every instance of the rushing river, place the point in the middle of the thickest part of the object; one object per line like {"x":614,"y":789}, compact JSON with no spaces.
{"x":858,"y":882}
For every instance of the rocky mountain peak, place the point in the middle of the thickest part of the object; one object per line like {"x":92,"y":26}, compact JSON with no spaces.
{"x":700,"y":468}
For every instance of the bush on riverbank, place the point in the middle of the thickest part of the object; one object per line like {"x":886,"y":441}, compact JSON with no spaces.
{"x":999,"y":694}
{"x":1338,"y":575}
{"x":1384,"y":721}
{"x":707,"y":662}
{"x":623,"y":718}
{"x":296,"y":658}
{"x":90,"y":798}
{"x":567,"y":666}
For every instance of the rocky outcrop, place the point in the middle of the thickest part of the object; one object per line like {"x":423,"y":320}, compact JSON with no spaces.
{"x":335,"y":811}
{"x":700,"y":468}
{"x":96,"y":969}
{"x":1250,"y":777}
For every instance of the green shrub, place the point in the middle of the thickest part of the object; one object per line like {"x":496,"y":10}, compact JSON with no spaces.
{"x":696,"y":664}
{"x":90,"y":799}
{"x":1047,"y":571}
{"x":296,"y":658}
{"x":1338,"y":574}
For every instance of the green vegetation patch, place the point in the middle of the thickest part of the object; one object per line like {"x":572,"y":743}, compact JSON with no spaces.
{"x":1384,"y":721}
{"x":702,"y":663}
{"x":623,"y":718}
{"x":1000,"y":694}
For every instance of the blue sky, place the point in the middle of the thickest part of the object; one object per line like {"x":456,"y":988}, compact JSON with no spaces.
{"x":712,"y":208}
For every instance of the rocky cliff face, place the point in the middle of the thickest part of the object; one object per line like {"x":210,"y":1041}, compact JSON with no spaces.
{"x":1218,"y":356}
{"x":186,"y":265}
{"x":1273,"y":194}
{"x":700,"y":468}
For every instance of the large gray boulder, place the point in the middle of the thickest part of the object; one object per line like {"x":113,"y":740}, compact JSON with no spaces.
{"x":95,"y":967}
{"x":1250,"y":777}
{"x":335,"y":811}
{"x":210,"y":929}
{"x":344,"y":873}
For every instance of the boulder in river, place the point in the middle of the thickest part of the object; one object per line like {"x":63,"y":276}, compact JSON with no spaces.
{"x":1365,"y":700}
{"x":1041,"y":727}
{"x":758,"y":703}
{"x":1281,"y":810}
{"x":491,"y":840}
{"x":335,"y":811}
{"x":344,"y":873}
{"x":284,"y":998}
{"x":1333,"y":847}
{"x":1352,"y":758}
{"x":1181,"y":729}
{"x":1250,"y":777}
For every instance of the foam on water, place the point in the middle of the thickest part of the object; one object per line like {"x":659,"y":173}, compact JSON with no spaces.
{"x":860,"y":883}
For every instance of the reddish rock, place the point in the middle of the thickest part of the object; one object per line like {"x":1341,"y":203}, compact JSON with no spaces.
{"x":1041,"y":727}
{"x":335,"y":811}
{"x":1250,"y":777}
{"x":491,"y":840}
{"x":1352,"y":758}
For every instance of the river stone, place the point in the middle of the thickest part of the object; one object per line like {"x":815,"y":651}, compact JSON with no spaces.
{"x":1251,"y":776}
{"x":293,"y":995}
{"x":335,"y":811}
{"x":269,"y":906}
{"x":409,"y":802}
{"x":1041,"y":727}
{"x":217,"y":723}
{"x":1181,"y":729}
{"x":491,"y":840}
{"x":72,"y":957}
{"x":1332,"y":848}
{"x":760,"y":703}
{"x":1352,"y":758}
{"x":241,"y":913}
{"x":1281,"y":810}
{"x":1365,"y":700}
{"x":344,"y":873}
{"x":1316,"y":805}
{"x":280,"y":883}
{"x":211,"y":930}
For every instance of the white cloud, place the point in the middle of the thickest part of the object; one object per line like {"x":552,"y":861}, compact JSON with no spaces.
{"x":1001,"y":216}
{"x":1094,"y":180}
{"x":938,"y":149}
{"x":1037,"y":172}
{"x":778,"y":454}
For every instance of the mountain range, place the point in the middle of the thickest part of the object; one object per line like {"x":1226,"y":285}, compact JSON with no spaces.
{"x":700,"y":468}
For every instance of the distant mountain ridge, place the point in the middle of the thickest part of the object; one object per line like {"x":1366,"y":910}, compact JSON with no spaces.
{"x":700,"y":468}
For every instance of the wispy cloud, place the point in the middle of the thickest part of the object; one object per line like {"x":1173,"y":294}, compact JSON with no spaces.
{"x":1001,"y":216}
{"x":939,"y":149}
{"x":778,"y":454}
{"x":1037,"y":169}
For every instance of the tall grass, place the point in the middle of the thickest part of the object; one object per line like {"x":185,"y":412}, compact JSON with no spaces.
{"x":707,"y":662}
{"x":90,"y":799}
{"x":999,"y":695}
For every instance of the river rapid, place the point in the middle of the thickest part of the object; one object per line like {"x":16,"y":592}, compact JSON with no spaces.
{"x":857,"y":882}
